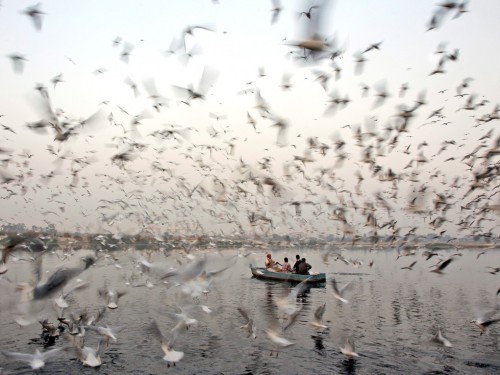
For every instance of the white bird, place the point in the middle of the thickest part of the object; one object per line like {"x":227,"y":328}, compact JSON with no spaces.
{"x":438,"y":337}
{"x":107,"y":332}
{"x":288,"y":306}
{"x":37,"y":360}
{"x":487,"y":319}
{"x":318,"y":316}
{"x":348,"y":350}
{"x":111,"y":295}
{"x":279,"y":341}
{"x":249,"y":326}
{"x":171,"y":356}
{"x":339,"y":293}
{"x":89,"y":356}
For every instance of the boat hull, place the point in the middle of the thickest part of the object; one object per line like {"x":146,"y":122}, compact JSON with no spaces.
{"x":262,"y":273}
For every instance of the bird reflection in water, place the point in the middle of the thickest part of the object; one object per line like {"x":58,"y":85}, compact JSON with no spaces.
{"x":318,"y":342}
{"x":349,"y":366}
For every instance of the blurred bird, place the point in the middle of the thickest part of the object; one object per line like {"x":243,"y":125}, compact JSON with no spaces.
{"x":348,"y":350}
{"x":438,"y":337}
{"x":410,"y":267}
{"x":276,"y":11}
{"x":171,"y":356}
{"x":441,"y":266}
{"x":249,"y":326}
{"x":318,"y":317}
{"x":37,"y":360}
{"x":35,"y":14}
{"x":339,"y":293}
{"x":90,"y":357}
{"x":278,"y":341}
{"x":111,"y":295}
{"x":18,"y":61}
{"x":485,"y":320}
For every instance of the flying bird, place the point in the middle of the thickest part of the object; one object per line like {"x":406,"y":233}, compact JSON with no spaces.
{"x":318,"y":317}
{"x":438,"y":337}
{"x":35,"y":14}
{"x":339,"y":293}
{"x":441,"y":266}
{"x":37,"y":360}
{"x":276,"y":11}
{"x":18,"y":61}
{"x":485,"y":320}
{"x":171,"y":356}
{"x":410,"y":267}
{"x":249,"y":326}
{"x":348,"y":350}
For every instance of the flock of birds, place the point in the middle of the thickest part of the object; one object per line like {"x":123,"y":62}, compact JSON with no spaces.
{"x":149,"y":187}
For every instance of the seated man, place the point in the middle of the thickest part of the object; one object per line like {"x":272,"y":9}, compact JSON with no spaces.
{"x":286,"y":267}
{"x":304,"y":267}
{"x":296,"y":265}
{"x":271,"y":265}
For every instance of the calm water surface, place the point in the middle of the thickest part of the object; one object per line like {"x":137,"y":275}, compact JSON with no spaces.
{"x":391,"y":316}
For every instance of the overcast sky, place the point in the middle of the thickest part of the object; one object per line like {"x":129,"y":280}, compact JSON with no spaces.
{"x":151,"y":156}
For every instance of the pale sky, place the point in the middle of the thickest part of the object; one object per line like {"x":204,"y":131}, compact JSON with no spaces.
{"x":208,"y":180}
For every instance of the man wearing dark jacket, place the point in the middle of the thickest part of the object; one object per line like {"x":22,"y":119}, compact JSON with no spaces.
{"x":304,"y":267}
{"x":295,"y":268}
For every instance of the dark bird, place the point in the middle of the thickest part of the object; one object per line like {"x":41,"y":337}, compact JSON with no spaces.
{"x":372,"y":47}
{"x":35,"y":14}
{"x":441,"y":266}
{"x":276,"y":11}
{"x":17,"y":62}
{"x":308,"y":14}
{"x":60,"y":278}
{"x":410,"y":267}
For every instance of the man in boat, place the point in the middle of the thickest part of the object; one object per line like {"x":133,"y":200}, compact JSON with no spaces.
{"x":286,"y":267}
{"x":271,"y":264}
{"x":296,"y":265}
{"x":304,"y":267}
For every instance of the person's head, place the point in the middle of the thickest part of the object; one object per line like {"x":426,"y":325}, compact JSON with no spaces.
{"x":269,"y":256}
{"x":297,"y":256}
{"x":286,"y":259}
{"x":304,"y":260}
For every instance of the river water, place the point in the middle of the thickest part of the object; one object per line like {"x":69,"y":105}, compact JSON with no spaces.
{"x":391,"y":316}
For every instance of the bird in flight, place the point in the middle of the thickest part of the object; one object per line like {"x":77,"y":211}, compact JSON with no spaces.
{"x":35,"y":14}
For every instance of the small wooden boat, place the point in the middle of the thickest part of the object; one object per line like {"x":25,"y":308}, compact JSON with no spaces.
{"x":263,"y":273}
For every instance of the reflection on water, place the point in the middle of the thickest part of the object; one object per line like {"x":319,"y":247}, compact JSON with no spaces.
{"x":392,"y":316}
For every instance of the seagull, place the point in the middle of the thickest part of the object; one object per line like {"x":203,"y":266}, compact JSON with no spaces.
{"x":37,"y":360}
{"x":487,"y":319}
{"x":171,"y":356}
{"x":112,"y":296}
{"x":89,"y":356}
{"x":438,"y":337}
{"x":410,"y":267}
{"x":107,"y":333}
{"x":288,"y":305}
{"x":339,"y":293}
{"x":348,"y":349}
{"x":318,"y":316}
{"x":18,"y":61}
{"x":276,"y":10}
{"x":249,"y":326}
{"x":441,"y":266}
{"x":36,"y":15}
{"x":59,"y":278}
{"x":279,"y":341}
